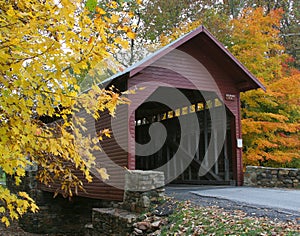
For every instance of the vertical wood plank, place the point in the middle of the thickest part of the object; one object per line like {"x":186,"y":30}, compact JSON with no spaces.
{"x":226,"y":161}
{"x":189,"y":151}
{"x":214,"y":139}
{"x":205,"y":124}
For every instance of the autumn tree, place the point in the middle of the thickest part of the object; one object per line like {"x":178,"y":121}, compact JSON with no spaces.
{"x":157,"y":18}
{"x":44,"y":48}
{"x":289,"y":27}
{"x":270,"y":121}
{"x":161,"y":17}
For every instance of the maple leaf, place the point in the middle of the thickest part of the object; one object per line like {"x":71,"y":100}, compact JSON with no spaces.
{"x":46,"y":47}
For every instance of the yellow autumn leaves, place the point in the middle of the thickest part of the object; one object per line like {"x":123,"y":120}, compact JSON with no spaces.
{"x":45,"y":46}
{"x":16,"y":204}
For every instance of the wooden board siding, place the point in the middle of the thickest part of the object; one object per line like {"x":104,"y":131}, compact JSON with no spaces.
{"x":227,"y":78}
{"x":238,"y":135}
{"x":113,"y":157}
{"x":180,"y":71}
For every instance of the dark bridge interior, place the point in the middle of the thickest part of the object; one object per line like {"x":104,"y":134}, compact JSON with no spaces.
{"x":191,"y":146}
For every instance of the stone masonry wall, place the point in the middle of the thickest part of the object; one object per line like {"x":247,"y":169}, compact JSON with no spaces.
{"x":85,"y":216}
{"x":112,"y":221}
{"x":272,"y":177}
{"x":142,"y":189}
{"x":56,"y":215}
{"x":61,"y":216}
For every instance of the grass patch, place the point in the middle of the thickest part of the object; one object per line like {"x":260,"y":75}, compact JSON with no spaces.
{"x":194,"y":220}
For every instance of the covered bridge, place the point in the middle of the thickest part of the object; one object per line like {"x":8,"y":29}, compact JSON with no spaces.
{"x":184,"y":117}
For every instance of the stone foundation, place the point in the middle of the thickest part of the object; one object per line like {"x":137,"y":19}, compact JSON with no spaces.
{"x":140,"y":180}
{"x":142,"y":190}
{"x":56,"y":215}
{"x":61,"y":215}
{"x":272,"y":177}
{"x":141,"y":201}
{"x":112,"y":221}
{"x":85,"y":216}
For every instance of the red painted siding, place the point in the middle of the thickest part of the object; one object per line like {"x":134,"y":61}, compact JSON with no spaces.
{"x":183,"y":71}
{"x":113,"y":157}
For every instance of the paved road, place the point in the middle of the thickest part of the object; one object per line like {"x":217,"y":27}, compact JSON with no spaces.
{"x":276,"y":204}
{"x":265,"y":197}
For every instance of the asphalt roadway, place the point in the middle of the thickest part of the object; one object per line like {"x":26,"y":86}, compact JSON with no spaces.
{"x":277,"y":198}
{"x":266,"y":197}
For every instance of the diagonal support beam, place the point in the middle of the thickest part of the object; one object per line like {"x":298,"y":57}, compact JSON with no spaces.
{"x":195,"y":163}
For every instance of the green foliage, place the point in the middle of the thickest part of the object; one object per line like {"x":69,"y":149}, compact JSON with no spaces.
{"x":294,"y":163}
{"x":91,"y":5}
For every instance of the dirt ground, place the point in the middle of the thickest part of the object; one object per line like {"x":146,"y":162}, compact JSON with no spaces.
{"x":13,"y":230}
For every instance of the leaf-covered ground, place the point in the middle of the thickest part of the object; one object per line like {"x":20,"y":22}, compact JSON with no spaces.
{"x":209,"y":216}
{"x":195,"y":220}
{"x":185,"y":218}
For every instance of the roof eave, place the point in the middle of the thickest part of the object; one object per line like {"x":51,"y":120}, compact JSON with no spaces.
{"x":256,"y":83}
{"x":252,"y":81}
